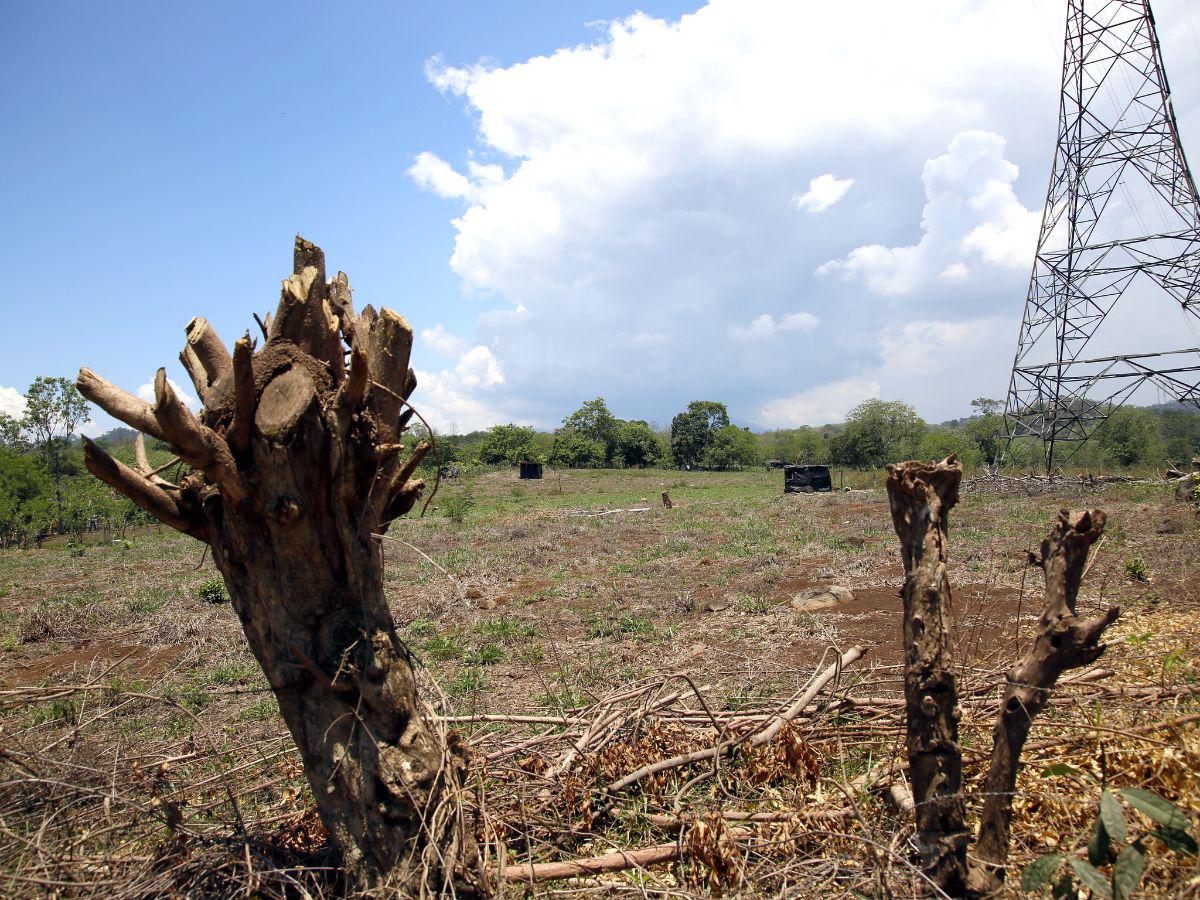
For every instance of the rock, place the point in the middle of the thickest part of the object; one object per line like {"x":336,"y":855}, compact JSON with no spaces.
{"x":818,"y":598}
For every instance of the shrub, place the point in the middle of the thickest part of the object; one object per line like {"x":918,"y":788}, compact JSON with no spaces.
{"x":214,"y":591}
{"x":457,"y":506}
{"x":1136,"y":569}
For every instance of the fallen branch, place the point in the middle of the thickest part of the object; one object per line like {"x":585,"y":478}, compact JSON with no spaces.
{"x":725,"y":748}
{"x":616,"y":861}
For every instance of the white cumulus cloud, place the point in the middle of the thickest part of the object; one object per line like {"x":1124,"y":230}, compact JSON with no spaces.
{"x":478,"y":368}
{"x":970,"y":208}
{"x":824,"y":191}
{"x":12,"y":402}
{"x":443,"y":341}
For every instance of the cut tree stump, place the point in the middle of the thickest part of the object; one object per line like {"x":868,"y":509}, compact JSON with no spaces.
{"x":297,"y":463}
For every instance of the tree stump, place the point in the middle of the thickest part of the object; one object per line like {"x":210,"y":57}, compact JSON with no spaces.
{"x":298,"y":463}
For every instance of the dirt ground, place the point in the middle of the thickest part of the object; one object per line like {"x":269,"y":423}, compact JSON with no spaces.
{"x":546,"y":596}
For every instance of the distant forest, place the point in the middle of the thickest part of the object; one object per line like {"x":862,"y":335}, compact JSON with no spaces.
{"x":875,"y":432}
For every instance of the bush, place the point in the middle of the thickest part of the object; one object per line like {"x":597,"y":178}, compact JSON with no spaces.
{"x":456,"y":507}
{"x":574,"y":450}
{"x":214,"y":591}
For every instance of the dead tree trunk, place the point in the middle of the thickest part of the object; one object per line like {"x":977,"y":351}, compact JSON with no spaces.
{"x":298,"y":462}
{"x":921,"y":496}
{"x":1063,"y":642}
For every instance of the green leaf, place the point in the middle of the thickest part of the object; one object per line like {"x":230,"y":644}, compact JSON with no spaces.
{"x":1040,"y":871}
{"x":1061,"y":769}
{"x":1179,"y":841}
{"x":1092,"y":878}
{"x":1099,"y":843}
{"x":1112,"y":816}
{"x":1127,"y":872}
{"x":1161,"y":811}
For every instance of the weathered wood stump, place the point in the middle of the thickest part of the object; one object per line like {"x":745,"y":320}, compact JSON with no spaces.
{"x":298,"y":462}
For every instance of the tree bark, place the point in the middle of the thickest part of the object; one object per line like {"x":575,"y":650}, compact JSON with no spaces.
{"x":1063,"y":642}
{"x":921,"y":496}
{"x":297,"y":464}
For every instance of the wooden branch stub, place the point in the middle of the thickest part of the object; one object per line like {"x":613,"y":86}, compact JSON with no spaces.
{"x":143,"y":463}
{"x":195,"y":369}
{"x":210,"y":350}
{"x":284,"y":402}
{"x":133,"y":411}
{"x":921,"y":496}
{"x":342,"y":301}
{"x":305,"y":254}
{"x":354,"y":388}
{"x":292,"y":312}
{"x":141,"y":491}
{"x":1063,"y":642}
{"x":196,"y":443}
{"x":244,"y":398}
{"x":388,"y":350}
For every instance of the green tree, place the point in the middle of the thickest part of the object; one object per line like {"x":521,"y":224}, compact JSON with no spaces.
{"x":1180,"y":435}
{"x":986,"y":428}
{"x":574,"y":450}
{"x":636,"y":445}
{"x":594,"y":422}
{"x":54,"y":409}
{"x":730,"y":448}
{"x":692,"y":431}
{"x":22,"y":482}
{"x":10,"y":432}
{"x":1130,"y":437}
{"x":878,"y":432}
{"x":938,"y":444}
{"x":508,"y":444}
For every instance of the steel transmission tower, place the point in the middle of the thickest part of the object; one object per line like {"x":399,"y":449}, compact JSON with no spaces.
{"x":1121,"y":225}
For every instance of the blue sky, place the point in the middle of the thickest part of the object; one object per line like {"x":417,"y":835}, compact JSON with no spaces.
{"x":765,"y":203}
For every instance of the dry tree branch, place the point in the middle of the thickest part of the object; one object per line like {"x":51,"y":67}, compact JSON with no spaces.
{"x":1063,"y":642}
{"x":141,"y":490}
{"x":757,"y":739}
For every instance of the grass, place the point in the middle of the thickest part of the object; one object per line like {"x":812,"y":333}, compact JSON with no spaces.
{"x":600,"y":625}
{"x":585,"y":605}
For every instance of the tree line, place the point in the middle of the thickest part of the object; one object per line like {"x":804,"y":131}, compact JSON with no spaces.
{"x":44,"y":489}
{"x":874,"y":433}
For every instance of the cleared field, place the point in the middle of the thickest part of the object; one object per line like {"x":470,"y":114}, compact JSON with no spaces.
{"x":172,"y":770}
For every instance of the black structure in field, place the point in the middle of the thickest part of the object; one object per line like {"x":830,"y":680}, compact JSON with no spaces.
{"x":806,"y":479}
{"x":1122,"y":220}
{"x":531,"y":470}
